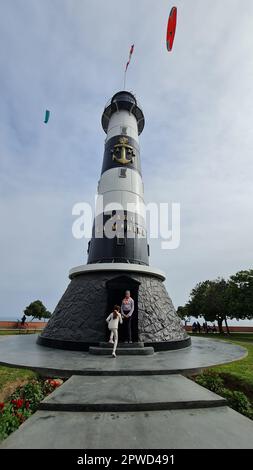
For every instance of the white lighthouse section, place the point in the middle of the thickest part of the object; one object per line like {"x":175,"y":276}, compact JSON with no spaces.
{"x":123,"y":122}
{"x":117,"y":190}
{"x":122,"y":194}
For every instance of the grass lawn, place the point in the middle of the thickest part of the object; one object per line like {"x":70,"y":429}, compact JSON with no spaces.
{"x":237,"y":375}
{"x":11,"y":378}
{"x":17,"y":332}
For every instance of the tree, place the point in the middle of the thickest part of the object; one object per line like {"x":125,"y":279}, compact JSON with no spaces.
{"x":210,"y":299}
{"x":217,"y":303}
{"x":219,"y":300}
{"x":241,"y":294}
{"x":37,"y":310}
{"x":183,"y":314}
{"x":196,"y":302}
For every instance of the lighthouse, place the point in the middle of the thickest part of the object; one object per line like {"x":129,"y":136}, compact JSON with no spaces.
{"x":118,"y":252}
{"x":120,"y":188}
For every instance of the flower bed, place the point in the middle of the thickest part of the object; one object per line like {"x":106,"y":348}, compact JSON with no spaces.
{"x":23,"y":403}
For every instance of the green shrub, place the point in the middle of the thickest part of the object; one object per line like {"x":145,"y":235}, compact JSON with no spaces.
{"x":239,"y":402}
{"x":12,"y":415}
{"x":32,"y":392}
{"x":211,"y":380}
{"x":235,"y":399}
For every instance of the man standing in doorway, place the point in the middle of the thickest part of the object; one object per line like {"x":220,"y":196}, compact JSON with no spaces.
{"x":127,"y":308}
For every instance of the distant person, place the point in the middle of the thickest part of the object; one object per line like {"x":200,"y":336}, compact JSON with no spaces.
{"x":23,"y":320}
{"x":214,"y":329}
{"x":205,"y":327}
{"x":127,"y":308}
{"x":198,"y":327}
{"x":113,"y":323}
{"x":194,"y":327}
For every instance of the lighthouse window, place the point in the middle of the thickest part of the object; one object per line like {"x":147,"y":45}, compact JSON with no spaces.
{"x":124,"y":130}
{"x":122,"y":172}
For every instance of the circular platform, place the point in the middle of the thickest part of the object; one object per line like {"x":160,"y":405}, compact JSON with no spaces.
{"x":22,"y":351}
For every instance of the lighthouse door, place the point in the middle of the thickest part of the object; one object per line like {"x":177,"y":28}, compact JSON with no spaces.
{"x":116,"y":289}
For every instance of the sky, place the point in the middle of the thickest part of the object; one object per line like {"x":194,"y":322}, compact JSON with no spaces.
{"x":196,"y":149}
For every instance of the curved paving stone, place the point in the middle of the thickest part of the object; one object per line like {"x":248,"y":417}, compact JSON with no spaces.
{"x":22,"y":351}
{"x":130,"y":393}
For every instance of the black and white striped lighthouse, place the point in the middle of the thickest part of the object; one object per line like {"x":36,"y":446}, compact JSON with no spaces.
{"x":120,"y":188}
{"x":118,"y":252}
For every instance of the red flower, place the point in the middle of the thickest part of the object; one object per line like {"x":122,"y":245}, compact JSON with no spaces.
{"x":56,"y":382}
{"x":1,"y":406}
{"x":27,"y":404}
{"x":18,"y":403}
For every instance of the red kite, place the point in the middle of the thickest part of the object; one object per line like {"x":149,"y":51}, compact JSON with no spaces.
{"x":171,"y":29}
{"x":130,"y":55}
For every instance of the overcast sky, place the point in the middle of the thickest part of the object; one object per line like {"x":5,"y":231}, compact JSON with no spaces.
{"x":68,"y":56}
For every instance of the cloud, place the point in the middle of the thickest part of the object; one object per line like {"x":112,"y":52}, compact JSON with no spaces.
{"x":196,"y":147}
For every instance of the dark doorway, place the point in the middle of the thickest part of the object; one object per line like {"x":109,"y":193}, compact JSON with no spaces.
{"x":115,"y":293}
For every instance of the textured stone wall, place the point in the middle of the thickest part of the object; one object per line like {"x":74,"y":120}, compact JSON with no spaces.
{"x":80,"y":314}
{"x":157,"y":318}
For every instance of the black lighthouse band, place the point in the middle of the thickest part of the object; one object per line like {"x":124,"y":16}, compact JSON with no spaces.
{"x":119,"y":237}
{"x":121,"y":150}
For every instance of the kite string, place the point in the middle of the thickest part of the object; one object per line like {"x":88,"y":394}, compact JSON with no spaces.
{"x":125,"y":74}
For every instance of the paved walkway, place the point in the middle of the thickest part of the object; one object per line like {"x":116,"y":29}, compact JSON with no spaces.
{"x":132,"y":402}
{"x":152,"y":412}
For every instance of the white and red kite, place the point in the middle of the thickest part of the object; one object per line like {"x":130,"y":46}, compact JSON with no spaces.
{"x":130,"y":55}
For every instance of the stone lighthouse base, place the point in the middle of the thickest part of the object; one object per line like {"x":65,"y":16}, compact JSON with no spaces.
{"x":78,"y":321}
